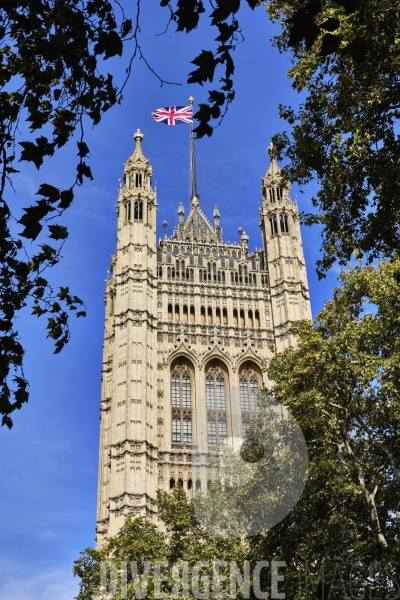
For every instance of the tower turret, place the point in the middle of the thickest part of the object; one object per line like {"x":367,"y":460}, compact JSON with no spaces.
{"x":128,"y":434}
{"x":283,"y":254}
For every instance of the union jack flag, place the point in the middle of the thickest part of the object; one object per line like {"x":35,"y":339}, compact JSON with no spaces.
{"x":174,"y":115}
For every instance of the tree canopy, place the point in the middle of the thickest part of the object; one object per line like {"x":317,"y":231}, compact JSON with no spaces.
{"x":341,"y":384}
{"x":344,"y":135}
{"x":49,"y":77}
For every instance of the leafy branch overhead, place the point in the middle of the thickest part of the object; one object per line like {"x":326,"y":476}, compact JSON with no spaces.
{"x":344,"y":135}
{"x":186,"y":15}
{"x":50,"y":78}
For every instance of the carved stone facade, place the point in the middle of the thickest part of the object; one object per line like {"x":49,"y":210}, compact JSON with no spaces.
{"x":190,"y":322}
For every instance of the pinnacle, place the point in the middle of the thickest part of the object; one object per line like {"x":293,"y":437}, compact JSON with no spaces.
{"x":138,"y":159}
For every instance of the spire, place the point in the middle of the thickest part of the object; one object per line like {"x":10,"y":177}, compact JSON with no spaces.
{"x":273,"y":172}
{"x":194,"y":194}
{"x":274,"y":188}
{"x":137,"y":161}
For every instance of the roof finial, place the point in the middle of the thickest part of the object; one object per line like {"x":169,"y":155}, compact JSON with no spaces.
{"x":138,"y":136}
{"x":271,"y":151}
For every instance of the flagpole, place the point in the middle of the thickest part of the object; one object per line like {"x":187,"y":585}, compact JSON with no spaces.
{"x":192,"y":159}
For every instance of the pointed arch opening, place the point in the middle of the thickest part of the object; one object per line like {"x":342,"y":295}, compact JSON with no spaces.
{"x":182,"y":386}
{"x":250,"y":383}
{"x":217,"y":387}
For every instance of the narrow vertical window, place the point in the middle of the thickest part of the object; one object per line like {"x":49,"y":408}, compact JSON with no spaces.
{"x":181,"y":405}
{"x":138,"y":210}
{"x":274,"y":225}
{"x":216,"y":405}
{"x":284,"y":224}
{"x":248,"y":387}
{"x":212,"y":432}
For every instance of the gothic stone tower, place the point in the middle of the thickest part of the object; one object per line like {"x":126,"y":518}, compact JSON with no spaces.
{"x":190,"y":322}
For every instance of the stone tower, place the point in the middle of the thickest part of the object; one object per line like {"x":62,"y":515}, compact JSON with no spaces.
{"x":190,"y":322}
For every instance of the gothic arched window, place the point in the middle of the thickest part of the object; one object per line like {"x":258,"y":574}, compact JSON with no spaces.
{"x":249,"y":381}
{"x":128,"y":211}
{"x":181,"y":405}
{"x":274,"y":225}
{"x":138,"y":180}
{"x":138,"y":211}
{"x":216,"y":390}
{"x":284,"y":224}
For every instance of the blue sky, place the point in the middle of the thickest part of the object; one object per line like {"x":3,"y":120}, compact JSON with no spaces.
{"x":49,"y":459}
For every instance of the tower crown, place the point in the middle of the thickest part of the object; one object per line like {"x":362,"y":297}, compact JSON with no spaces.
{"x":274,"y":189}
{"x":137,"y":169}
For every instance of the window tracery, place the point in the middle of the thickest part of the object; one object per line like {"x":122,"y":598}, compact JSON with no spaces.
{"x":249,"y":383}
{"x":181,"y":404}
{"x":216,"y":398}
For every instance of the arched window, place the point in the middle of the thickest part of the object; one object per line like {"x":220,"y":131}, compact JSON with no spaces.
{"x":216,"y":390}
{"x":176,"y":312}
{"x":284,"y":224}
{"x":274,"y":225}
{"x":249,"y":381}
{"x":181,"y":405}
{"x":235,"y":316}
{"x":209,"y":315}
{"x":242,"y":323}
{"x":138,"y":210}
{"x":218,"y":316}
{"x":192,"y":317}
{"x":257,"y":319}
{"x":203,"y":314}
{"x":278,"y":193}
{"x":169,"y":312}
{"x":138,"y":180}
{"x":128,"y":215}
{"x":271,"y":195}
{"x":250,"y":318}
{"x":160,"y":271}
{"x":185,"y":314}
{"x":224,"y":316}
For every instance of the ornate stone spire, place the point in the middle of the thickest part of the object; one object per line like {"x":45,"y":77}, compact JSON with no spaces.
{"x":272,"y":187}
{"x":137,"y":161}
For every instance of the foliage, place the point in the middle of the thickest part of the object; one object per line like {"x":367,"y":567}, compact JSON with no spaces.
{"x":186,"y":15}
{"x":49,"y":77}
{"x":140,"y":540}
{"x":342,"y":385}
{"x":346,"y":58}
